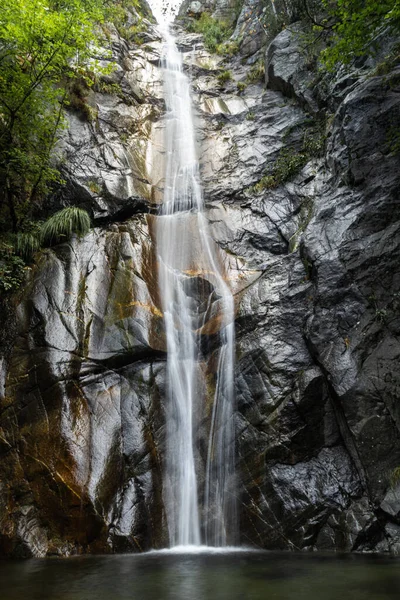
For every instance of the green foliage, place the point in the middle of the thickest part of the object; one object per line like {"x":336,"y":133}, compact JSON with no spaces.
{"x":77,"y":98}
{"x":287,"y":165}
{"x":104,"y":87}
{"x":381,"y":315}
{"x":134,"y":32}
{"x":241,"y":86}
{"x":224,"y":77}
{"x":354,"y":27}
{"x":42,"y":45}
{"x":250,"y":116}
{"x":290,"y":161}
{"x":27,"y":244}
{"x":12,"y":268}
{"x":60,"y":226}
{"x":215,"y":32}
{"x":228,"y":48}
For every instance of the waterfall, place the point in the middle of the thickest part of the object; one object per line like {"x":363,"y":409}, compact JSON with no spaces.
{"x":197,"y":304}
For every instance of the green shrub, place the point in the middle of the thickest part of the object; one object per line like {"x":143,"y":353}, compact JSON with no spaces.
{"x":215,"y":32}
{"x":314,"y":141}
{"x":354,"y":26}
{"x":241,"y":86}
{"x":228,"y":48}
{"x":287,"y":165}
{"x":60,"y":226}
{"x":224,"y":77}
{"x":12,"y":268}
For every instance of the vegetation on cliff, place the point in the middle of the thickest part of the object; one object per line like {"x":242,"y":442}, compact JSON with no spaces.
{"x":48,"y":49}
{"x":348,"y":29}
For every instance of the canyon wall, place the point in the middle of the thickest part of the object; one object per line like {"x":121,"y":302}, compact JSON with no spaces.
{"x":313,"y":263}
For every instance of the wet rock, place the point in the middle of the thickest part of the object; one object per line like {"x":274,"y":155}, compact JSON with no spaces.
{"x":195,"y":9}
{"x":391,"y":502}
{"x":286,"y":68}
{"x":249,"y":30}
{"x":314,"y":268}
{"x":224,"y":10}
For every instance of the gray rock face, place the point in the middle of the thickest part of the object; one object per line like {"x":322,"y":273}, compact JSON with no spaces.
{"x":314,"y":267}
{"x":225,"y":10}
{"x":251,"y":30}
{"x":286,"y":68}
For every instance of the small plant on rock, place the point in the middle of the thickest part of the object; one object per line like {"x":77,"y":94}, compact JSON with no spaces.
{"x":228,"y":48}
{"x":257,"y":72}
{"x":60,"y":226}
{"x":224,"y":77}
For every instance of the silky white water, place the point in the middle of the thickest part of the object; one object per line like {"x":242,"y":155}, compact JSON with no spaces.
{"x":199,"y":486}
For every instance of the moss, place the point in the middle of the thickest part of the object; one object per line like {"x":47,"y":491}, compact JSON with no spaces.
{"x":306,"y":212}
{"x":290,"y":161}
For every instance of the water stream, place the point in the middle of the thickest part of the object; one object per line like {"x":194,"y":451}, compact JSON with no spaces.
{"x":197,"y":305}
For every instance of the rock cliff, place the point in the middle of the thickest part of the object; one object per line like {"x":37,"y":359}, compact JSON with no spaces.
{"x":314,"y":266}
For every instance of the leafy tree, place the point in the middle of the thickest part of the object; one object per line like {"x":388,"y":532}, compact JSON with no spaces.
{"x":353,"y":27}
{"x":42,"y":43}
{"x":47,"y":50}
{"x":349,"y":28}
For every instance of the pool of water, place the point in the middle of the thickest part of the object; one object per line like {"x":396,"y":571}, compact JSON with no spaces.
{"x":203,"y":576}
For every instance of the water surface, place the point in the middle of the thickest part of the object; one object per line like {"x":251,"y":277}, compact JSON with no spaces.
{"x":203,"y":576}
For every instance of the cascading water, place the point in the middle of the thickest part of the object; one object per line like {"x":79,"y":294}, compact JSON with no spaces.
{"x":199,"y":490}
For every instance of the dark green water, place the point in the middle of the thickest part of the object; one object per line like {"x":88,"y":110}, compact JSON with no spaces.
{"x":233,"y":576}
